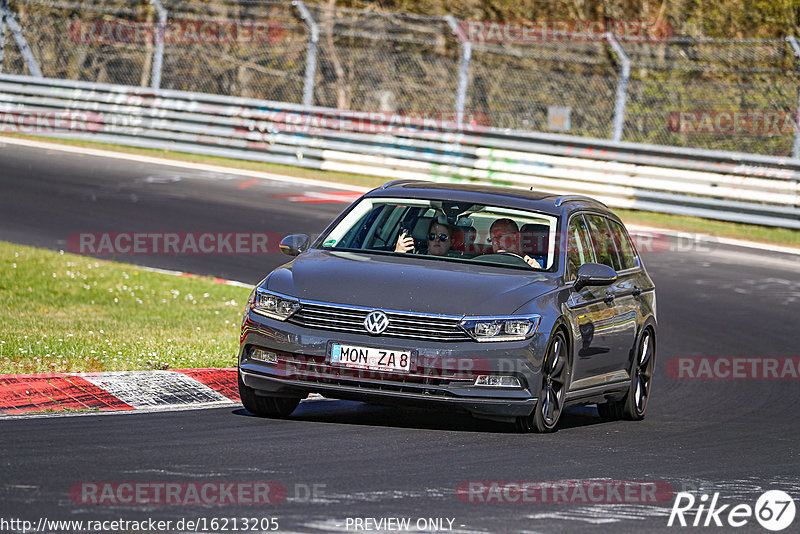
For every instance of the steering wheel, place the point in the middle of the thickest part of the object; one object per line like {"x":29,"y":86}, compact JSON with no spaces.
{"x":514,"y":254}
{"x":484,"y":257}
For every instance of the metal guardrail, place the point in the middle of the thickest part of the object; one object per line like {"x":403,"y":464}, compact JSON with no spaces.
{"x":716,"y":185}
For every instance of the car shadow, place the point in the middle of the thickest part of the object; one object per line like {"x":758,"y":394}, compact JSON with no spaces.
{"x":344,"y":412}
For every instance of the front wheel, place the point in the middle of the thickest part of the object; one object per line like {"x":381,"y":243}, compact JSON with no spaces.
{"x":275,"y":407}
{"x":634,"y":404}
{"x":550,"y":405}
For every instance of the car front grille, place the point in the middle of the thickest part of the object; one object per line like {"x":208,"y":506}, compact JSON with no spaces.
{"x":350,"y":319}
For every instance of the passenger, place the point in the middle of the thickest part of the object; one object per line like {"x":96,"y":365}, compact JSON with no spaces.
{"x":504,"y":236}
{"x":440,"y":239}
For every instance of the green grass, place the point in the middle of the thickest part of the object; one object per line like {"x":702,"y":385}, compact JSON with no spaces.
{"x":748,"y":232}
{"x":66,"y":313}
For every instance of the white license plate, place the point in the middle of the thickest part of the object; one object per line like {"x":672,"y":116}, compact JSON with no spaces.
{"x":371,"y":358}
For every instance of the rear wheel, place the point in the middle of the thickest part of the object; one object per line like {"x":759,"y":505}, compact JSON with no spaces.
{"x":275,"y":407}
{"x":555,"y":370}
{"x":634,"y":404}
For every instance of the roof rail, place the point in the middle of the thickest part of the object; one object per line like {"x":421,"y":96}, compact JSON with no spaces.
{"x":395,"y":183}
{"x":576,"y":198}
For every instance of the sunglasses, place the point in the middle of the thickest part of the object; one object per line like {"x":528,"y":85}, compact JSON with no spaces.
{"x":442,"y":237}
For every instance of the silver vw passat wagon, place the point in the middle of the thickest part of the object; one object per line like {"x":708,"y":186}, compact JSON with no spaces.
{"x":507,"y":304}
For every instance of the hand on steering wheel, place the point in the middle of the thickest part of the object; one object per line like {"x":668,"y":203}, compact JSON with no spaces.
{"x":527,"y":259}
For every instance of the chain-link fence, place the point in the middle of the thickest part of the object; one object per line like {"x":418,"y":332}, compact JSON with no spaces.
{"x":52,"y":31}
{"x":715,"y":94}
{"x":254,"y":50}
{"x":245,"y":49}
{"x":384,"y":62}
{"x":545,"y":86}
{"x":689,"y":93}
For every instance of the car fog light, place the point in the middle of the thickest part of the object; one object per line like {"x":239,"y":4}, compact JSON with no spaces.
{"x":497,"y":380}
{"x":265,"y":356}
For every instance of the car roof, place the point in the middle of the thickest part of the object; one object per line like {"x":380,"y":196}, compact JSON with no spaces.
{"x":549,"y":203}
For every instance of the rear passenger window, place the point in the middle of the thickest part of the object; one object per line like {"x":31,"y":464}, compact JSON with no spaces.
{"x":627,"y":254}
{"x":603,"y":241}
{"x":579,"y":250}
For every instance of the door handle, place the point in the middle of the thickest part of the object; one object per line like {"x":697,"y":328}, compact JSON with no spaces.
{"x":637,"y":292}
{"x":609,"y":298}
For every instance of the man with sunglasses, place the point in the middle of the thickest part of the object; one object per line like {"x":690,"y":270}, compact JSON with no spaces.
{"x":439,"y":236}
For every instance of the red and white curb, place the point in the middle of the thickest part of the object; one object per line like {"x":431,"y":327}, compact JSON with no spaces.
{"x":120,"y":391}
{"x":117,"y":391}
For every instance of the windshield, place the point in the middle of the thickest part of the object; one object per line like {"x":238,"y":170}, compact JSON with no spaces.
{"x":447,"y":230}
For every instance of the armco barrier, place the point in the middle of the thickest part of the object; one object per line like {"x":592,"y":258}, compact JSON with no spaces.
{"x":726,"y":186}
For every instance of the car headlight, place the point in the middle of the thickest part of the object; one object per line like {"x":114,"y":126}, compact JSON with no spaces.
{"x":273,"y":305}
{"x":507,"y":328}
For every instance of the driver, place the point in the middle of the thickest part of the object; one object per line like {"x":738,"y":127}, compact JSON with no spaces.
{"x":504,"y":236}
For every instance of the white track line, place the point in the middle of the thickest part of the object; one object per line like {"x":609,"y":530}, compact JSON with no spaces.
{"x":177,"y":163}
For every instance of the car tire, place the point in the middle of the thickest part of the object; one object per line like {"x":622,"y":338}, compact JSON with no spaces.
{"x":552,"y":389}
{"x":633,"y":405}
{"x":273,"y":407}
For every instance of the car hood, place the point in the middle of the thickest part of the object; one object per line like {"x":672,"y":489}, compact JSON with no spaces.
{"x":408,"y":283}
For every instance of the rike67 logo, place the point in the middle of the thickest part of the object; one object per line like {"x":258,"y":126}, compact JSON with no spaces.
{"x":774,"y":510}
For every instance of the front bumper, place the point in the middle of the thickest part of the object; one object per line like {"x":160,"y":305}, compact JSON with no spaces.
{"x":443,"y":377}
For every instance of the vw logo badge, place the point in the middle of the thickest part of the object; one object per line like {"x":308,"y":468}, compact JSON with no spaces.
{"x":376,"y":322}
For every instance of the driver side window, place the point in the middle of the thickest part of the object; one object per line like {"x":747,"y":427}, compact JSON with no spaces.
{"x":579,"y":249}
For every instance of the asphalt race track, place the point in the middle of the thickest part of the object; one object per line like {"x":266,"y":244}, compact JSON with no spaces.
{"x":341,"y":461}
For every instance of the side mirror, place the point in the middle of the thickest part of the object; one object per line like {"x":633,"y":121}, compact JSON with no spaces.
{"x":294,"y":244}
{"x":594,"y":274}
